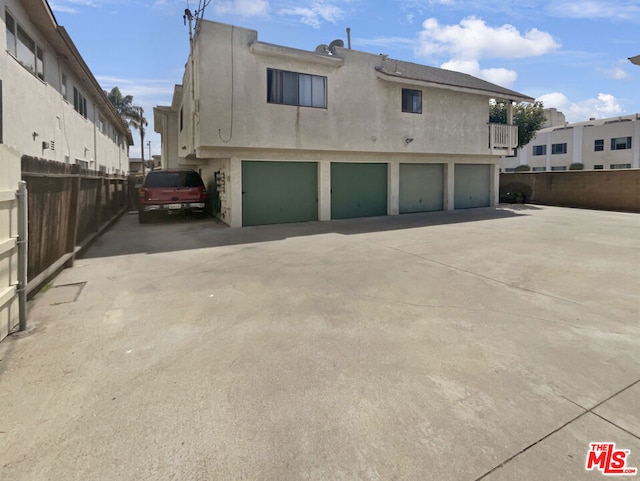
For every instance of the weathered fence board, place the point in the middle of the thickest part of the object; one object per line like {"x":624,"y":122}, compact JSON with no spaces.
{"x":68,"y":206}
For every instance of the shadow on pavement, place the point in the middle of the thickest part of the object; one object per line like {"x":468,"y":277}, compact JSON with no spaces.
{"x":179,"y":233}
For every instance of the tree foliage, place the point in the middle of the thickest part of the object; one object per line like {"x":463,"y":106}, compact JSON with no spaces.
{"x":133,"y":115}
{"x":528,"y":117}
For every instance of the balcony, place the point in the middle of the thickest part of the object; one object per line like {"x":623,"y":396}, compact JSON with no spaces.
{"x":503,"y":139}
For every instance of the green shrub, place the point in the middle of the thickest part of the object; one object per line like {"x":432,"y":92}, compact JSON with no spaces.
{"x":523,"y":168}
{"x":576,"y":166}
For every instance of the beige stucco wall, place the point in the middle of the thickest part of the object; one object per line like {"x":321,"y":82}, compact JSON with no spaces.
{"x":231,"y":75}
{"x":228,"y":120}
{"x":31,"y":105}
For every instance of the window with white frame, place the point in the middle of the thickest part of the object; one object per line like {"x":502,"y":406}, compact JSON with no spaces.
{"x":539,"y":150}
{"x":412,"y":101}
{"x":620,"y":166}
{"x":23,"y":48}
{"x":79,"y":102}
{"x":559,"y":148}
{"x":539,"y":169}
{"x":621,"y":143}
{"x":293,"y":88}
{"x":559,"y":167}
{"x":598,"y":167}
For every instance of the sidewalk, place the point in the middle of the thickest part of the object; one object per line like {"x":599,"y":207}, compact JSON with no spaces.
{"x":492,"y":344}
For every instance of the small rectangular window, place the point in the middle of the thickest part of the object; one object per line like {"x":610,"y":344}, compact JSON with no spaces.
{"x":559,"y":167}
{"x":11,"y":33}
{"x":598,"y":145}
{"x":598,"y":167}
{"x":621,"y":143}
{"x":412,"y":101}
{"x":79,"y":103}
{"x":558,"y":148}
{"x":539,"y":150}
{"x":63,"y":85}
{"x":181,"y":118}
{"x":539,"y":169}
{"x":620,"y":166}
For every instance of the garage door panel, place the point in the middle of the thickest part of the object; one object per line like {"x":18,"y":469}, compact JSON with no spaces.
{"x":472,"y":185}
{"x":358,"y":190}
{"x":279,"y":192}
{"x":421,"y":187}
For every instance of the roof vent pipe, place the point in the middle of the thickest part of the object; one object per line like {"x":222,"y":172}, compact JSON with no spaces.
{"x":349,"y":37}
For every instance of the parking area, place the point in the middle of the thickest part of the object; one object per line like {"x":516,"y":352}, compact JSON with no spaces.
{"x":492,"y":344}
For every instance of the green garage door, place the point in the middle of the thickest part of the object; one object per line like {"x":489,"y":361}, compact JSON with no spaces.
{"x":279,"y":192}
{"x":421,"y":187}
{"x":358,"y":190}
{"x":472,"y":186}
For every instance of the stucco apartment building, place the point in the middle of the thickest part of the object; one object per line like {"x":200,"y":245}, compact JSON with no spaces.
{"x":612,"y":143}
{"x":51,"y":105}
{"x":283,"y":135}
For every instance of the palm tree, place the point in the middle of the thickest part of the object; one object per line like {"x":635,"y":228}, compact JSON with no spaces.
{"x":133,"y":115}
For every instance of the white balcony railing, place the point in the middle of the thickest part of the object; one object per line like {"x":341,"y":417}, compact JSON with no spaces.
{"x":503,"y":137}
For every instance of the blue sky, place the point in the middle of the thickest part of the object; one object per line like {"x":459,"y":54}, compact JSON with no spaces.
{"x":571,"y":54}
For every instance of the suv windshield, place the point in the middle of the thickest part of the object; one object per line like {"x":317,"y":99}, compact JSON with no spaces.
{"x":173,"y":179}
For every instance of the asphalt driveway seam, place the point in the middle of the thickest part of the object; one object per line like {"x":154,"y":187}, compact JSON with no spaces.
{"x":568,"y":423}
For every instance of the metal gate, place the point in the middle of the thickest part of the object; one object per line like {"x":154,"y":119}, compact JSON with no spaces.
{"x":13,"y":248}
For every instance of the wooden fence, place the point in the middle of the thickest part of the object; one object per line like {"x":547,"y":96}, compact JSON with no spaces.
{"x":68,"y":208}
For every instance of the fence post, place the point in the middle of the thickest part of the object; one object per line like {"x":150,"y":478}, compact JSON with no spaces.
{"x":98,"y":203}
{"x":23,"y":252}
{"x":74,"y":214}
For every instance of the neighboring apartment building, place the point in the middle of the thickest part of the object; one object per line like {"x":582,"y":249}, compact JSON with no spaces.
{"x":612,"y":143}
{"x":51,"y":105}
{"x":284,"y":135}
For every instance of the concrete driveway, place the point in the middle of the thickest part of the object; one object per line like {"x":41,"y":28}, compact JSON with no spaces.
{"x":490,"y":344}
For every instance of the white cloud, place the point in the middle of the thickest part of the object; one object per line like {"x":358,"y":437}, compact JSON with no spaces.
{"x":605,"y":105}
{"x":499,"y":76}
{"x":474,"y":39}
{"x":621,"y":10}
{"x":246,"y":8}
{"x":70,"y":6}
{"x":618,"y":71}
{"x":385,"y":41}
{"x":316,"y":13}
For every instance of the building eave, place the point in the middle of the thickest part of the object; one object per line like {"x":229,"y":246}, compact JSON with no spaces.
{"x":403,"y":79}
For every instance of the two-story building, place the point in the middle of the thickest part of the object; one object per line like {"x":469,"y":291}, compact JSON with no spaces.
{"x":51,"y":105}
{"x":595,"y":144}
{"x":284,"y":135}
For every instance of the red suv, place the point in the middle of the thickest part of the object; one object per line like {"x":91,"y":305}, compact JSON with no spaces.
{"x":172,"y":190}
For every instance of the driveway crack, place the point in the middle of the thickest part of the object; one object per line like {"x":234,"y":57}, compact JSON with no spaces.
{"x":586,"y":411}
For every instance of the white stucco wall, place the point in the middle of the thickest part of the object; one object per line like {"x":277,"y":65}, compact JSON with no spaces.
{"x":35,"y":111}
{"x":580,"y":139}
